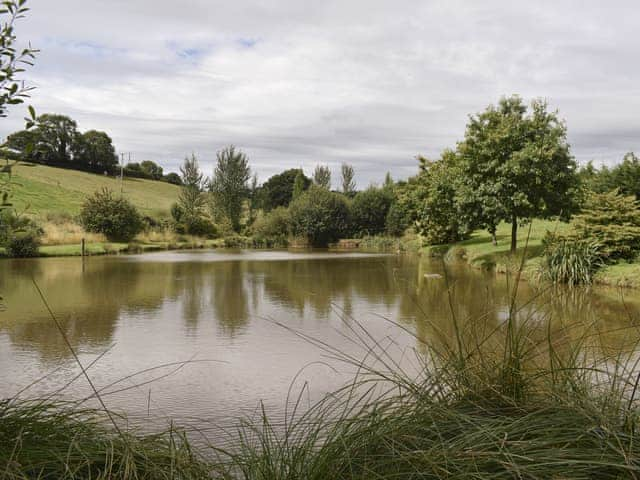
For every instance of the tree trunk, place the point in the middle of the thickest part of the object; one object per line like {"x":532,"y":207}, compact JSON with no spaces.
{"x":514,"y":234}
{"x":494,"y":239}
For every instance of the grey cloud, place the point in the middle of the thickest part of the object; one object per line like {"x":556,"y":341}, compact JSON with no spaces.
{"x":373,"y":83}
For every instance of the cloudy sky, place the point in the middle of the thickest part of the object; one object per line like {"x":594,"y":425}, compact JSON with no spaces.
{"x":296,"y":83}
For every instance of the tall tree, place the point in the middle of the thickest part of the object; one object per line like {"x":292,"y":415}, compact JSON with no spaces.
{"x":348,"y":182}
{"x":191,"y":201}
{"x":278,"y":190}
{"x":517,"y":165}
{"x":94,"y":151}
{"x":322,"y":177}
{"x":151,"y":169}
{"x":229,"y":186}
{"x":55,"y":136}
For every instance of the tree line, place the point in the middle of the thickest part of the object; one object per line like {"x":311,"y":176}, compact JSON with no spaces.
{"x":55,"y":140}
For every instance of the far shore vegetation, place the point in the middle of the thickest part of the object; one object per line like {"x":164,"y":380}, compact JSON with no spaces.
{"x":512,"y":169}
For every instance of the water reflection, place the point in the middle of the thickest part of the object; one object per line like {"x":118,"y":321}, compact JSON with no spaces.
{"x":167,"y":307}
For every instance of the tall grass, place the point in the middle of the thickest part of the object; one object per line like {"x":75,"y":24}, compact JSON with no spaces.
{"x":48,"y":440}
{"x":518,"y":402}
{"x":573,"y":262}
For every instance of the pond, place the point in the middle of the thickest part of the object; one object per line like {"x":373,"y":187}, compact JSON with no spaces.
{"x":203,"y":337}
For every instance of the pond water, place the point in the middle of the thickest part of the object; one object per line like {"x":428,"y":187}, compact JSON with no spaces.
{"x":243,"y":321}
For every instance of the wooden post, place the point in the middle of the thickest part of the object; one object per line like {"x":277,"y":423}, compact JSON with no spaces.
{"x":82,"y":248}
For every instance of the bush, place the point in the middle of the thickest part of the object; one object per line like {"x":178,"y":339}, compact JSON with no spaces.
{"x":611,"y":220}
{"x":573,"y":262}
{"x":369,"y":211}
{"x":19,"y":235}
{"x":320,"y":216}
{"x":273,"y":228}
{"x":116,"y":218}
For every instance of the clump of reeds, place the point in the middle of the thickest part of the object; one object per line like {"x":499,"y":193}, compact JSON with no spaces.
{"x":49,"y":440}
{"x":519,"y":402}
{"x":569,"y":261}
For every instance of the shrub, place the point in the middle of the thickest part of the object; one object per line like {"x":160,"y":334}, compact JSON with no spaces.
{"x":272,"y":228}
{"x":611,"y":220}
{"x":320,"y":216}
{"x":573,"y":262}
{"x":116,"y":218}
{"x":201,"y":227}
{"x":19,"y":235}
{"x":369,"y":211}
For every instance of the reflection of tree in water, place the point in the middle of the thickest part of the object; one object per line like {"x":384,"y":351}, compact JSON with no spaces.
{"x":83,"y":302}
{"x":230,"y":297}
{"x":320,"y":283}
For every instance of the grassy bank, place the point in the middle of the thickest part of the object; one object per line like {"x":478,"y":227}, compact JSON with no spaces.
{"x":43,"y":190}
{"x":480,"y":252}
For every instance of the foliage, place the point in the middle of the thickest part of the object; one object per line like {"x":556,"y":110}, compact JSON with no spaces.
{"x":320,"y":216}
{"x":280,"y":189}
{"x":516,"y":165}
{"x":173,"y":178}
{"x":397,"y":220}
{"x":624,"y":176}
{"x":369,"y":211}
{"x":191,"y":200}
{"x":613,"y":221}
{"x":19,"y":235}
{"x":95,"y":151}
{"x":229,"y":185}
{"x":151,"y":169}
{"x":55,"y":138}
{"x":569,"y":261}
{"x":322,"y":177}
{"x":434,"y":198}
{"x":348,"y":182}
{"x":300,"y":184}
{"x":116,"y":218}
{"x":273,"y":228}
{"x":13,"y":91}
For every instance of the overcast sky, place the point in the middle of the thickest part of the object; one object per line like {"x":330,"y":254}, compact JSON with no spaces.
{"x":297,"y":83}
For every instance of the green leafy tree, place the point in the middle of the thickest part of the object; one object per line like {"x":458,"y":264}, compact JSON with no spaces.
{"x":55,"y":139}
{"x":624,"y":176}
{"x":229,"y":185}
{"x":278,"y":190}
{"x":115,"y":217}
{"x":322,"y":177}
{"x":369,"y":211}
{"x":151,"y":170}
{"x":439,"y":215}
{"x":348,"y":182}
{"x":94,"y":151}
{"x":517,"y":165}
{"x":173,"y":178}
{"x":319,"y":216}
{"x":191,"y":201}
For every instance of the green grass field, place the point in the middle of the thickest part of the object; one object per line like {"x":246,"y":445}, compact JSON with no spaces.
{"x":479,"y":252}
{"x":42,"y":190}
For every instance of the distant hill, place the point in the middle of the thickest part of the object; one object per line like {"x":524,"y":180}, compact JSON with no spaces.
{"x":49,"y":190}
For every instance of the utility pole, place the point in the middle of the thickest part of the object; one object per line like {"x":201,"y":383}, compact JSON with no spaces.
{"x":121,"y":172}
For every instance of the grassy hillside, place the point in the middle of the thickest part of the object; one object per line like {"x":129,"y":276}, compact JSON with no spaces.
{"x":55,"y":190}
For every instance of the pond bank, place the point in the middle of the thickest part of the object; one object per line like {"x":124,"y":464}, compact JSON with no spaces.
{"x":480,"y":253}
